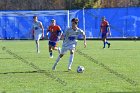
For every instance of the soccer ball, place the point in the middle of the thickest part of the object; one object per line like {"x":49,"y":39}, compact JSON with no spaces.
{"x":80,"y":69}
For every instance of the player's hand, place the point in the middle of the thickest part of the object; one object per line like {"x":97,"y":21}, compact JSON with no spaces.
{"x":59,"y":37}
{"x":85,"y":45}
{"x":110,"y":34}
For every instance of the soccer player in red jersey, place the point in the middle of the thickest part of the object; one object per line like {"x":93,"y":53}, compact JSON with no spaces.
{"x":55,"y":34}
{"x":105,"y":30}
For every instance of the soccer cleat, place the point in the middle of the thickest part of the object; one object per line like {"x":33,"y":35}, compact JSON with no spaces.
{"x":51,"y":56}
{"x":69,"y":69}
{"x":38,"y":51}
{"x":53,"y":68}
{"x":109,"y":45}
{"x":103,"y":47}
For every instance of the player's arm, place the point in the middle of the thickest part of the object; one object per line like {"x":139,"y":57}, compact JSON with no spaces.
{"x":47,"y":32}
{"x":59,"y":33}
{"x":32,"y":32}
{"x":108,"y":29}
{"x":84,"y":36}
{"x":64,"y":34}
{"x":42,"y":29}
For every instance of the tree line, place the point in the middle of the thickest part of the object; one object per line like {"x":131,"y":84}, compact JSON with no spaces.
{"x":64,"y":4}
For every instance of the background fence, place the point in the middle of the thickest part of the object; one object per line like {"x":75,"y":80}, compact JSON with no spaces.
{"x":125,"y":22}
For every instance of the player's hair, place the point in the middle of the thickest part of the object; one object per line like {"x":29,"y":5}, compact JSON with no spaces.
{"x":76,"y":20}
{"x":103,"y":17}
{"x":34,"y":17}
{"x":53,"y":20}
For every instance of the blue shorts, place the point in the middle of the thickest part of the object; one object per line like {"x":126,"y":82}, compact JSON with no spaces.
{"x":54,"y":44}
{"x":104,"y":35}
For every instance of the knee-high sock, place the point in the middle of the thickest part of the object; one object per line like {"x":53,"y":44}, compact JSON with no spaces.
{"x":37,"y":45}
{"x":104,"y":44}
{"x":107,"y":42}
{"x":51,"y":54}
{"x":70,"y":61}
{"x":56,"y":62}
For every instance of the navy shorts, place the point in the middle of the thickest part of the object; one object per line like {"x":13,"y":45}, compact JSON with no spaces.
{"x":104,"y":35}
{"x":54,"y":44}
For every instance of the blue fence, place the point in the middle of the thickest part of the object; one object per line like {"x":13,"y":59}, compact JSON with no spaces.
{"x":125,"y":22}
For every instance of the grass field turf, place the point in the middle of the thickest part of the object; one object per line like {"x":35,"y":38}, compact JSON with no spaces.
{"x":18,"y":77}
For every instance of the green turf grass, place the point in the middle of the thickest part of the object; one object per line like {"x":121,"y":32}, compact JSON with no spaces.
{"x":122,"y":57}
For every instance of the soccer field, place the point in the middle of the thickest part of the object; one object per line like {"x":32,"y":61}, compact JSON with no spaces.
{"x":111,"y":70}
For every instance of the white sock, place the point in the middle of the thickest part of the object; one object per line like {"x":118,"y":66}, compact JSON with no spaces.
{"x":59,"y":50}
{"x":37,"y":47}
{"x":57,"y":60}
{"x":70,"y":61}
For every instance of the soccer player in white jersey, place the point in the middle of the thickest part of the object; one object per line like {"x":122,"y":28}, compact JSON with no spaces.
{"x":70,"y":42}
{"x":38,"y":31}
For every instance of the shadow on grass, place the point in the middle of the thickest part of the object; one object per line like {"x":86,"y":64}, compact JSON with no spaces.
{"x":123,"y":92}
{"x":7,"y":58}
{"x":41,"y":71}
{"x":124,"y":49}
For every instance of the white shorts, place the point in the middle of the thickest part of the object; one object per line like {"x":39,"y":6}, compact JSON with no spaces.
{"x":66,"y":48}
{"x":38,"y":36}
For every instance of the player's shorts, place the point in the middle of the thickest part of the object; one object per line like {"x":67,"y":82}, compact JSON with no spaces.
{"x":66,"y":48}
{"x":104,"y":35}
{"x":54,"y":44}
{"x":38,"y":36}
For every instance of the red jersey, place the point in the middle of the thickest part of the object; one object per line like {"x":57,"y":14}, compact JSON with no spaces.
{"x":54,"y":32}
{"x":104,"y":26}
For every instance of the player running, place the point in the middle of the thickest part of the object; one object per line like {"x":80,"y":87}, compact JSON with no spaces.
{"x":55,"y":34}
{"x":105,"y":30}
{"x":70,"y":42}
{"x":38,"y":31}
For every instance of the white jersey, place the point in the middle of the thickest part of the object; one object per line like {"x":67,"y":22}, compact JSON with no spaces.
{"x":71,"y":36}
{"x":36,"y":27}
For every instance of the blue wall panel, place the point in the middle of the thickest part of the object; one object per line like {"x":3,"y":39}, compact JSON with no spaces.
{"x":124,"y":22}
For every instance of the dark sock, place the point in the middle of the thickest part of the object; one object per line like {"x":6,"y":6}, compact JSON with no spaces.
{"x":107,"y":42}
{"x":104,"y":44}
{"x":50,"y":53}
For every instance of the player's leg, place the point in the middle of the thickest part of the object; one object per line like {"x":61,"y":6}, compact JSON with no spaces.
{"x":64,"y":49}
{"x":106,"y":42}
{"x":37,"y":46}
{"x":50,"y":49}
{"x":36,"y":42}
{"x":103,"y":39}
{"x":55,"y":47}
{"x":57,"y":60}
{"x":37,"y":38}
{"x":71,"y":59}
